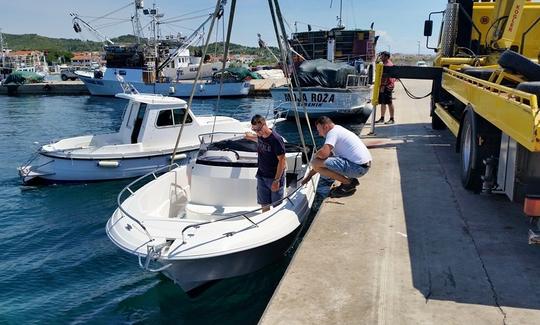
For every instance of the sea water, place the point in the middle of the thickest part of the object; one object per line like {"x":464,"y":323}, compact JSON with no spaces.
{"x":57,"y":264}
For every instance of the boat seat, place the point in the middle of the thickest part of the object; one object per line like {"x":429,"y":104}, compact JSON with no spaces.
{"x":223,"y":186}
{"x":207,"y":212}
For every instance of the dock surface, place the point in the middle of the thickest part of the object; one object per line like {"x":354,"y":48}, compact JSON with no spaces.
{"x":411,"y":246}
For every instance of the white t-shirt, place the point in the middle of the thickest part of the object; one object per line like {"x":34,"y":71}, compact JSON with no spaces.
{"x":347,"y":145}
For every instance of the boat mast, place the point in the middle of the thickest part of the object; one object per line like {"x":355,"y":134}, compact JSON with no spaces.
{"x":339,"y":18}
{"x":2,"y":48}
{"x":137,"y":28}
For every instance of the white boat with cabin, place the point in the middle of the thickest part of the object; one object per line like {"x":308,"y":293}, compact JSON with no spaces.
{"x":144,"y":142}
{"x":201,"y":222}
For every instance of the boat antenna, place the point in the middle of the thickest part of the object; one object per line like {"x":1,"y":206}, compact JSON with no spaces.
{"x":284,"y":47}
{"x":218,"y":11}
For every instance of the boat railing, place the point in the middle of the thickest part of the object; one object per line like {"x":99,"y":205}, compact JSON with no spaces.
{"x":281,"y":110}
{"x":244,"y":215}
{"x":153,"y":175}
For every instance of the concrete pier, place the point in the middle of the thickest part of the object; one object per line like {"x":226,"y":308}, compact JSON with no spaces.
{"x":50,"y":88}
{"x":411,"y":246}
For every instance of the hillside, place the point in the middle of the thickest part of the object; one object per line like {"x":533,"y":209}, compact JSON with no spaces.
{"x":56,"y":47}
{"x":37,"y":42}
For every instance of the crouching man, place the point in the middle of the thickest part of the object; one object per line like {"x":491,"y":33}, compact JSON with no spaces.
{"x":343,"y":157}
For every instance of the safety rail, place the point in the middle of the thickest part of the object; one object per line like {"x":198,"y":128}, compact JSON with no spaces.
{"x":516,"y":112}
{"x":127,"y":188}
{"x":154,"y":252}
{"x":243,"y":214}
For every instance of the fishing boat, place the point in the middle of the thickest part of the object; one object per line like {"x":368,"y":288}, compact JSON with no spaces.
{"x":144,"y":142}
{"x":336,"y":72}
{"x":331,"y":89}
{"x":160,"y":65}
{"x":200,"y":222}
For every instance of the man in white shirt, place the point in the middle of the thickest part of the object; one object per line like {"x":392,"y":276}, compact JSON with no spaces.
{"x":343,"y":157}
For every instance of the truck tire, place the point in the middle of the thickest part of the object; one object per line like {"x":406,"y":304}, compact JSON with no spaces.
{"x":479,"y":140}
{"x":471,"y":176}
{"x":516,"y":62}
{"x":64,"y":77}
{"x":479,"y":73}
{"x":532,"y":87}
{"x":436,"y":122}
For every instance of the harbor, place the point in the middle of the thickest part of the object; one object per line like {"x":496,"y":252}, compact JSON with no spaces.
{"x":162,"y":164}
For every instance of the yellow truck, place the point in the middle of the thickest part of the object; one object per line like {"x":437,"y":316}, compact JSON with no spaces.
{"x":486,"y":83}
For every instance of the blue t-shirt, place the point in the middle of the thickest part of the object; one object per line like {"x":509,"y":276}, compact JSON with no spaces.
{"x":268,"y":149}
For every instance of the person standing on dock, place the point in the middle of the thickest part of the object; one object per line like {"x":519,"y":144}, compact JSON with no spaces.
{"x":271,"y":162}
{"x":386,"y":90}
{"x":343,"y":157}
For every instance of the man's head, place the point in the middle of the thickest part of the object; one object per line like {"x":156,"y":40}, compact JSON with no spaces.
{"x":258,"y":124}
{"x":384,"y":55}
{"x":324,"y":124}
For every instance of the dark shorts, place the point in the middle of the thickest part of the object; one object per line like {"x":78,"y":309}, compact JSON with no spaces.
{"x":265,"y":196}
{"x":385,"y":97}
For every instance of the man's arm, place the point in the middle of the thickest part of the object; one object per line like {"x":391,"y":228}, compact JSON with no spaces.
{"x":324,"y":152}
{"x":250,"y":136}
{"x":279,"y":172}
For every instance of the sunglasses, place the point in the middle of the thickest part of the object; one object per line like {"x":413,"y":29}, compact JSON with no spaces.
{"x":256,"y":129}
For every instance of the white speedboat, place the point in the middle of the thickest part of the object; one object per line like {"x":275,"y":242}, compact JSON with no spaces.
{"x":144,"y":142}
{"x":331,"y":89}
{"x":201,"y":222}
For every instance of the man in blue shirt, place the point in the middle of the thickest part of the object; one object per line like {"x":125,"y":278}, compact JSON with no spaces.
{"x":271,"y":162}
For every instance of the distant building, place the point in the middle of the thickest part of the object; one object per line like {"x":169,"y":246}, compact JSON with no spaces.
{"x":24,"y":59}
{"x":86,"y":59}
{"x":244,"y":58}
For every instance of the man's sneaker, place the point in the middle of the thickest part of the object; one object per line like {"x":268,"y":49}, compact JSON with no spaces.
{"x":381,"y":120}
{"x":340,"y":192}
{"x":390,"y":121}
{"x":347,"y":187}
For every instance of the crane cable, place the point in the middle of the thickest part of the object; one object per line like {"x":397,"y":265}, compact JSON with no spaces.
{"x":409,"y":93}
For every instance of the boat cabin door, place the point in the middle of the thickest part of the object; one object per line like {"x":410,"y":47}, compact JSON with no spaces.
{"x":138,"y":123}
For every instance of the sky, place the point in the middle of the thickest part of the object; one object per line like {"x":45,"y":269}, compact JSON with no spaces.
{"x":399,"y":23}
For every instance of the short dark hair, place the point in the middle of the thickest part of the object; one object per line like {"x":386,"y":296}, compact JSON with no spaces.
{"x":323,"y":120}
{"x":385,"y":53}
{"x":257,"y":119}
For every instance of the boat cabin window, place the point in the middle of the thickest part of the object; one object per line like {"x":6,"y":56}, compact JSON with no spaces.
{"x":138,"y":123}
{"x":171,"y":117}
{"x":128,"y":110}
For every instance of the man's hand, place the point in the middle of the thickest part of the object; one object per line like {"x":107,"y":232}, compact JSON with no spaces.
{"x":250,"y":136}
{"x":275,"y":186}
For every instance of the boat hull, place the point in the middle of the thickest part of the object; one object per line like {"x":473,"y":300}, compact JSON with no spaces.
{"x":190,"y":274}
{"x":320,"y":101}
{"x":105,"y":87}
{"x":51,"y":169}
